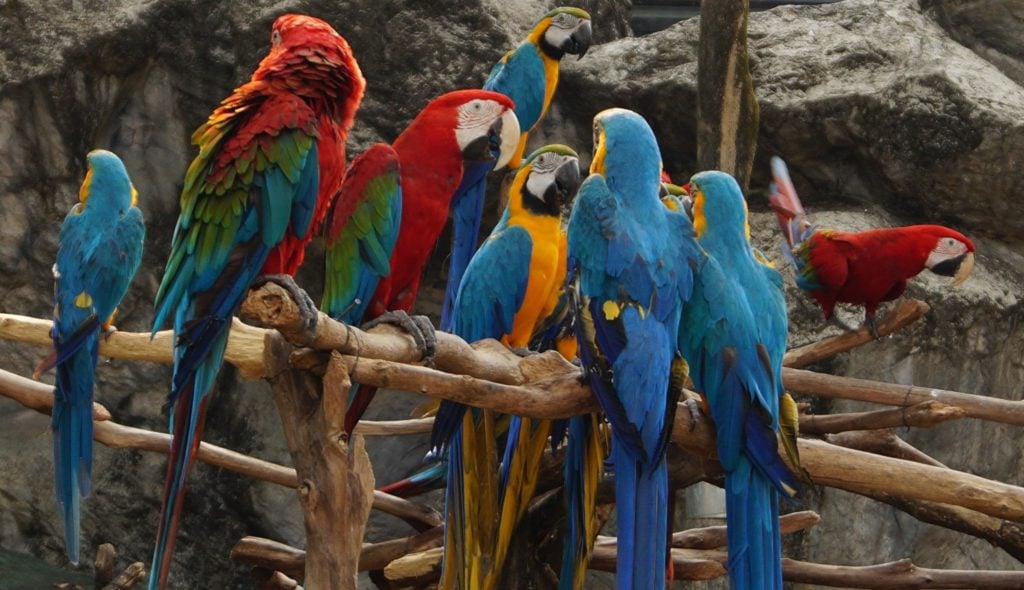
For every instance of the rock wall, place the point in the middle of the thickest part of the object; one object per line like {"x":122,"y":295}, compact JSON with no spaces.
{"x":883,"y":116}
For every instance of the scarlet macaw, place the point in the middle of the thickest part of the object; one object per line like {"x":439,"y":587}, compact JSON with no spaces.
{"x":512,"y":283}
{"x":528,"y":75}
{"x":633,"y":259}
{"x":271,"y":158}
{"x":450,"y":135}
{"x":733,"y":336}
{"x":100,"y":250}
{"x":863,"y":268}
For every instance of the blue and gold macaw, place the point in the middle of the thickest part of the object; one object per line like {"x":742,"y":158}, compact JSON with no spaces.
{"x":733,"y":336}
{"x":633,"y":260}
{"x":528,"y":75}
{"x":100,"y":250}
{"x":511,"y":284}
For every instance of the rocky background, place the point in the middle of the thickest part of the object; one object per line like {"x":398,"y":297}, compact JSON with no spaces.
{"x":888,"y":112}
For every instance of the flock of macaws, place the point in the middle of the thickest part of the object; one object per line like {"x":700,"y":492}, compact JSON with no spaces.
{"x":647,"y":283}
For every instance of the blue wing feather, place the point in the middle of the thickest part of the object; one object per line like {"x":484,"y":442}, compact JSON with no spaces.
{"x":520,"y":75}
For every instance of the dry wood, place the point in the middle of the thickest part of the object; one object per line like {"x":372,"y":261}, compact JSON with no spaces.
{"x":132,"y":575}
{"x":905,"y":313}
{"x":106,"y":556}
{"x":37,"y":396}
{"x":882,"y":442}
{"x":271,"y":580}
{"x":336,"y":480}
{"x":423,"y":564}
{"x":897,"y":575}
{"x":270,"y":555}
{"x":922,"y":415}
{"x":976,"y":406}
{"x":713,"y":537}
{"x":866,"y":473}
{"x":687,"y":564}
{"x":394,"y":427}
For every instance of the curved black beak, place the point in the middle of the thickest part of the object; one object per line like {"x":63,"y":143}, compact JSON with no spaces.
{"x":580,"y":40}
{"x":567,"y":181}
{"x":948,"y":268}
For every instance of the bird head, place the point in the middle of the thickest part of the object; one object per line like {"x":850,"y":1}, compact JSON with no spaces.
{"x":951,"y":254}
{"x":564,"y":30}
{"x":675,"y":197}
{"x":718,"y":203}
{"x":626,"y":151}
{"x":106,"y":182}
{"x":548,"y":179}
{"x":485,"y":125}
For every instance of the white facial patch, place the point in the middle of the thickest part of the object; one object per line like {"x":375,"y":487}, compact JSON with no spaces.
{"x":563,"y":25}
{"x":542,"y":174}
{"x":475,"y":119}
{"x":946,"y":249}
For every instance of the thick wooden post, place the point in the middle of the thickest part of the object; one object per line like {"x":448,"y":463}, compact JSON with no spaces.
{"x":727,"y":114}
{"x":335,"y":478}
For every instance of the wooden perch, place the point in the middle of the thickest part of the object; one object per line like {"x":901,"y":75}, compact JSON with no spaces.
{"x":907,"y":311}
{"x":687,"y":564}
{"x":896,"y":575}
{"x":976,"y":406}
{"x":865,"y":473}
{"x":922,"y":415}
{"x":882,"y":442}
{"x":126,"y":580}
{"x":713,"y":537}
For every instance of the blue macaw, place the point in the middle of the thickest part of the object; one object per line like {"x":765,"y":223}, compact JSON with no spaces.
{"x":528,"y":75}
{"x":633,"y":260}
{"x":512,"y":283}
{"x":733,"y":336}
{"x":100,"y":250}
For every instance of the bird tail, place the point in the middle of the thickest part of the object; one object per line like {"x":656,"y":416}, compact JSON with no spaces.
{"x":467,"y":210}
{"x":432,"y":477}
{"x":584,"y":460}
{"x":72,"y":437}
{"x":755,"y":546}
{"x":788,"y":209}
{"x":520,"y":470}
{"x":641,"y":496}
{"x":359,"y":398}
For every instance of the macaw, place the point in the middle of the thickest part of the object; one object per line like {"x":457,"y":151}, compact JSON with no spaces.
{"x":100,"y":250}
{"x":733,"y":337}
{"x":449,"y":136}
{"x":512,"y":283}
{"x":528,"y":75}
{"x":862,"y":268}
{"x":271,"y":158}
{"x":633,"y":260}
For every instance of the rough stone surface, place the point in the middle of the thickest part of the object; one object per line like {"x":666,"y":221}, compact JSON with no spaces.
{"x":884,"y":118}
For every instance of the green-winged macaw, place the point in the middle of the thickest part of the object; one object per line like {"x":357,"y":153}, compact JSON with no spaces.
{"x":271,"y":159}
{"x":100,"y":250}
{"x":862,"y":268}
{"x":528,"y":75}
{"x":512,"y":283}
{"x":733,"y":336}
{"x":454,"y":132}
{"x":633,"y":261}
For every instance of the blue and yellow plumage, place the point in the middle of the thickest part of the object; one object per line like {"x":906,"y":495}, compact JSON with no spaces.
{"x":511,"y":284}
{"x":633,"y":261}
{"x":100,"y":250}
{"x":528,"y":75}
{"x":733,"y":335}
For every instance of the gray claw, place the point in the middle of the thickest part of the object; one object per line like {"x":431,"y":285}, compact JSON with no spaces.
{"x":418,"y":326}
{"x":307,"y":309}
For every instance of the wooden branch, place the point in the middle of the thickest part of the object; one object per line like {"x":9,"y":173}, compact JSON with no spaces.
{"x":687,"y":564}
{"x":37,"y":396}
{"x":394,"y":427}
{"x":336,"y":489}
{"x":976,"y":406}
{"x":907,"y":312}
{"x":896,"y":575}
{"x":106,"y":556}
{"x":713,"y":537}
{"x":882,"y":442}
{"x":271,"y":580}
{"x":922,"y":415}
{"x":270,"y":555}
{"x":865,"y":473}
{"x":132,"y":575}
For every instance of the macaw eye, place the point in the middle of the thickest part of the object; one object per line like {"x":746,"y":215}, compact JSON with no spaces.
{"x":275,"y":37}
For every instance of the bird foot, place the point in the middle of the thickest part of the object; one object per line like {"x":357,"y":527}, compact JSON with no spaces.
{"x":307,"y":309}
{"x":418,"y":326}
{"x":524,"y":352}
{"x":695,"y":412}
{"x":872,"y":326}
{"x":108,"y":331}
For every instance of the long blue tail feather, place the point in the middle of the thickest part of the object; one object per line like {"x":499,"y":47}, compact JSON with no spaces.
{"x":755,"y":547}
{"x":467,"y":210}
{"x":641,"y":508}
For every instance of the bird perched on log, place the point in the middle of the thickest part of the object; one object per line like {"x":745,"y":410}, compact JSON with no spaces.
{"x":862,"y":268}
{"x":271,"y":159}
{"x":99,"y":252}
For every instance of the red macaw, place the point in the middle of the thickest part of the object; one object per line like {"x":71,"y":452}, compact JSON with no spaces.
{"x":271,"y":158}
{"x":454,"y":131}
{"x":863,"y":268}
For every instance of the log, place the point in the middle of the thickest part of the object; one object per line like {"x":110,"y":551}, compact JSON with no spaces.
{"x":906,"y":312}
{"x":132,"y":575}
{"x":922,"y":415}
{"x":270,"y":555}
{"x":976,"y":406}
{"x":896,"y":575}
{"x":271,"y":580}
{"x":336,"y":480}
{"x":727,"y":112}
{"x":882,"y":442}
{"x":37,"y":396}
{"x":687,"y":564}
{"x":713,"y":537}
